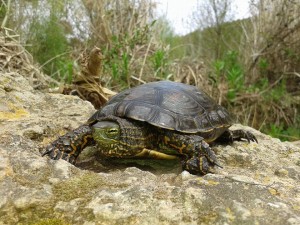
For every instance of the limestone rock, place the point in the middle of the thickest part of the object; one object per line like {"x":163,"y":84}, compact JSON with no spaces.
{"x":258,"y":184}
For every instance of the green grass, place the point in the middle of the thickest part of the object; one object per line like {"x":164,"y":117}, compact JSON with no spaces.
{"x":285,"y":134}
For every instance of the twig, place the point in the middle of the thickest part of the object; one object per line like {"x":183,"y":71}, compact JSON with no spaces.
{"x":57,"y":56}
{"x":272,"y":85}
{"x":193,"y":74}
{"x":144,"y":62}
{"x":293,"y":73}
{"x":138,"y":79}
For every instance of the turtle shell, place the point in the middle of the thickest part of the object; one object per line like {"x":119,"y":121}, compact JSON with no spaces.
{"x":169,"y":105}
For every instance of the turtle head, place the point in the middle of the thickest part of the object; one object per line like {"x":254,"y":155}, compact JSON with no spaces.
{"x":107,"y":136}
{"x":117,"y":139}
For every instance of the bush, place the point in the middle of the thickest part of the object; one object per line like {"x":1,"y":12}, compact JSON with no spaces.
{"x":49,"y":46}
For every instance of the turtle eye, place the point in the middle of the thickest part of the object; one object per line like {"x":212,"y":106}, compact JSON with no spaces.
{"x":112,"y":132}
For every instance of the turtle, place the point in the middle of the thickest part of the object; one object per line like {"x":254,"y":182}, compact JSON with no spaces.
{"x":162,"y":119}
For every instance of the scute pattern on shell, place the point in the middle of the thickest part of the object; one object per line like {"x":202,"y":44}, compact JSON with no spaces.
{"x":169,"y":105}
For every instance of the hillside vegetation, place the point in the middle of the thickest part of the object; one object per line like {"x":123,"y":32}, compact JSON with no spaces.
{"x":250,"y":66}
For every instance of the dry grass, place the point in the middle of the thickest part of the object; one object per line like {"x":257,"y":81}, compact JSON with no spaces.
{"x":273,"y":44}
{"x":109,"y":18}
{"x":274,"y":38}
{"x":14,"y":58}
{"x":122,"y":30}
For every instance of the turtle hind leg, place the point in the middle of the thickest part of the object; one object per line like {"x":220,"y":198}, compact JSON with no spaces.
{"x":197,"y":157}
{"x":202,"y":161}
{"x":229,"y":136}
{"x":70,"y":145}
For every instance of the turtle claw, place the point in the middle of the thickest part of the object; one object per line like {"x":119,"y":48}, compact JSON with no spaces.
{"x":47,"y":151}
{"x":252,"y":137}
{"x":52,"y":152}
{"x":55,"y":152}
{"x":242,"y":134}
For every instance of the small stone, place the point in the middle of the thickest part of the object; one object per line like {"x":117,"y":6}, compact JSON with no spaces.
{"x":185,"y":175}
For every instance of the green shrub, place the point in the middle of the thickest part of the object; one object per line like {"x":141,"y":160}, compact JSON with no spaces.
{"x":291,"y":133}
{"x":134,"y":55}
{"x":230,"y":70}
{"x":49,"y":46}
{"x":159,"y":60}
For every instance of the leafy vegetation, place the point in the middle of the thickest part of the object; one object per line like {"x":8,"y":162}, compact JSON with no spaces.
{"x":230,"y":71}
{"x":51,"y":48}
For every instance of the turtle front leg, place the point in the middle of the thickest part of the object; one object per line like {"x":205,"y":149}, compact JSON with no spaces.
{"x":230,"y":136}
{"x":69,"y":146}
{"x":198,"y":157}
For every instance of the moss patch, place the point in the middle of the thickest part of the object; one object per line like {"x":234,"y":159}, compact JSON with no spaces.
{"x":78,"y":187}
{"x":50,"y":222}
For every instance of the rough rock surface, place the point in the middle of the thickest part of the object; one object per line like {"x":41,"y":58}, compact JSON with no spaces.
{"x":259,"y":184}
